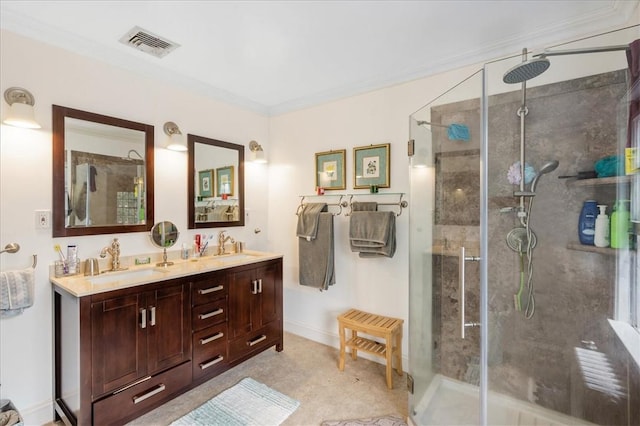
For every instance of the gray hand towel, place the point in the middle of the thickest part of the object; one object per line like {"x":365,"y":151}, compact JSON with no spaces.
{"x":308,"y":220}
{"x":316,"y":257}
{"x":16,"y":291}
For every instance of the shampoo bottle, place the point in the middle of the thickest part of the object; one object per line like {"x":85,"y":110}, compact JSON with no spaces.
{"x":620,"y":224}
{"x":587,"y":222}
{"x":601,"y":237}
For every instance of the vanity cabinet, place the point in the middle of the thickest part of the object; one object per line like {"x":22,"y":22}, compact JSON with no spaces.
{"x":136,"y":334}
{"x":255,"y":309}
{"x":123,"y":352}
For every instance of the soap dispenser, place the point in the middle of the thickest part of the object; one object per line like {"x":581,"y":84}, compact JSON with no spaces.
{"x":601,"y":237}
{"x":620,"y":224}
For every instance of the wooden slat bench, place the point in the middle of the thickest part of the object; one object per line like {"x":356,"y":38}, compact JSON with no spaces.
{"x":390,"y":329}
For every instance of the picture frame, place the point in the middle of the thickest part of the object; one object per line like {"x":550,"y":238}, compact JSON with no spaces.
{"x":206,"y":183}
{"x":371,"y":166}
{"x":224,"y":181}
{"x":330,"y":169}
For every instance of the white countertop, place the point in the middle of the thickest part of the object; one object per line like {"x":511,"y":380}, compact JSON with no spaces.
{"x":80,"y":285}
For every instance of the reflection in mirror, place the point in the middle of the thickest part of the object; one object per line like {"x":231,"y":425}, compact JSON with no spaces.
{"x":216,"y":183}
{"x":102,"y":174}
{"x":164,"y":235}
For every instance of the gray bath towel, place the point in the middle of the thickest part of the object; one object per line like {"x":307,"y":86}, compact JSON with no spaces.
{"x":308,"y":220}
{"x":373,"y":233}
{"x":316,"y":257}
{"x":16,"y":291}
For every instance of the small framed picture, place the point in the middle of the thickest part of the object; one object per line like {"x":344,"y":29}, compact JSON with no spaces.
{"x":371,"y":166}
{"x":330,"y":169}
{"x":206,"y":183}
{"x":224,"y":181}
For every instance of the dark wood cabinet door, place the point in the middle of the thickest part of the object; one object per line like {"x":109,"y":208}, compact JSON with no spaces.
{"x":118,"y":345}
{"x":268,"y":302}
{"x":241,"y":289}
{"x":168,"y":326}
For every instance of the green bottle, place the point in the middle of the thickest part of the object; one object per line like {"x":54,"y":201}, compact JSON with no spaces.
{"x":620,"y":224}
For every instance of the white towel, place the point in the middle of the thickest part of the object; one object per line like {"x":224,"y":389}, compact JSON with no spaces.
{"x":16,"y":291}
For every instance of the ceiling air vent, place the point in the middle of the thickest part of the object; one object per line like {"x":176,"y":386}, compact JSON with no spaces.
{"x":148,"y":42}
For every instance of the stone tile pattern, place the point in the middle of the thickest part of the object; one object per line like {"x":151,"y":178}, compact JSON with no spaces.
{"x":573,"y":122}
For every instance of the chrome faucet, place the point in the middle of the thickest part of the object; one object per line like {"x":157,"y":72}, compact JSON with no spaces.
{"x":222,"y":238}
{"x":114,"y":251}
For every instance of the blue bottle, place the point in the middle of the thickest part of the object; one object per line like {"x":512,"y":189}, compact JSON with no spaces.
{"x":587,"y":222}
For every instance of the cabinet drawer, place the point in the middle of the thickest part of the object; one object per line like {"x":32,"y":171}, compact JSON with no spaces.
{"x":210,"y":351}
{"x":210,"y":314}
{"x":119,"y":407}
{"x":255,"y":341}
{"x":207,"y":290}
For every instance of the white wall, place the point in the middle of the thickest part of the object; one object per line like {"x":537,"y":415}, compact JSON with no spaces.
{"x":55,"y":76}
{"x":374,"y":285}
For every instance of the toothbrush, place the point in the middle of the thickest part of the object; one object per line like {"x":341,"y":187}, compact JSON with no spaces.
{"x":64,"y":260}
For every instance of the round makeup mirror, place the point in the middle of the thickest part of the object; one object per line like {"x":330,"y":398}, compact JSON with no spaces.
{"x":164,"y":235}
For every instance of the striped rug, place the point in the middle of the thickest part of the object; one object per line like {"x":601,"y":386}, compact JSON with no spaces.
{"x":248,"y":403}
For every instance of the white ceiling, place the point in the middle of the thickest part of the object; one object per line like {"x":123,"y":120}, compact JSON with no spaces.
{"x":277,"y":56}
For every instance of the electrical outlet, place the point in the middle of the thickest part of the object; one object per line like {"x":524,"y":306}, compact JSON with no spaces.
{"x":43,"y":219}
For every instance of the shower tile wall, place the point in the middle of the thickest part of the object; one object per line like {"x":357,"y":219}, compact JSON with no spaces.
{"x":573,"y":122}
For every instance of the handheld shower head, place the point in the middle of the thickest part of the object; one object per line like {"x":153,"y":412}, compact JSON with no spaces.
{"x":547,"y":168}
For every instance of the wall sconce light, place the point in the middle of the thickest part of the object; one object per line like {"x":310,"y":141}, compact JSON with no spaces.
{"x":257,"y":153}
{"x":20,"y":113}
{"x":176,"y":140}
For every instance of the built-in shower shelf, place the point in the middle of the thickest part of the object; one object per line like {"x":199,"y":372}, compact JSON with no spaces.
{"x":592,"y":249}
{"x":599,"y":181}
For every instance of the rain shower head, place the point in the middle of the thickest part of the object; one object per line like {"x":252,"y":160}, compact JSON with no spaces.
{"x":547,"y":168}
{"x":526,"y":70}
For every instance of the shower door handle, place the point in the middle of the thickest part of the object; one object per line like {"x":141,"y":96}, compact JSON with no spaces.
{"x":462,"y":260}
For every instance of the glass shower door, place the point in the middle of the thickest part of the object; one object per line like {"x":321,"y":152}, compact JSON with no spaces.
{"x":444,"y":342}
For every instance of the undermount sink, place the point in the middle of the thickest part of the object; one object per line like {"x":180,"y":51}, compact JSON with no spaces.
{"x":108,"y":277}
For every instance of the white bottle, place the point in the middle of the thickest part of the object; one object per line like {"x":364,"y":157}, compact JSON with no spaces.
{"x":601,"y":237}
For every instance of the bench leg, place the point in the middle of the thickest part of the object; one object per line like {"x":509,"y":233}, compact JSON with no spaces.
{"x":399,"y":352}
{"x":342,"y":347}
{"x":388,"y":352}
{"x":354,"y":351}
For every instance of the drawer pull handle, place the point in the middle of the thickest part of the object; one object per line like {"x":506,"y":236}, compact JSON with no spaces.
{"x":212,"y":362}
{"x":254,"y":287}
{"x":260,"y":285}
{"x":211,"y":289}
{"x":211,"y":338}
{"x":256,"y":340}
{"x":130,"y":385}
{"x":211,"y":314}
{"x":143,"y":318}
{"x":157,"y":390}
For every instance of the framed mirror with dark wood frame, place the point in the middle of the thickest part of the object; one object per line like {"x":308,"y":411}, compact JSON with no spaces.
{"x":215,"y":176}
{"x":102,"y":174}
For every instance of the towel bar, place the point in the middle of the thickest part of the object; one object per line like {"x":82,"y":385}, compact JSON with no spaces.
{"x":340,"y":204}
{"x":401,"y":204}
